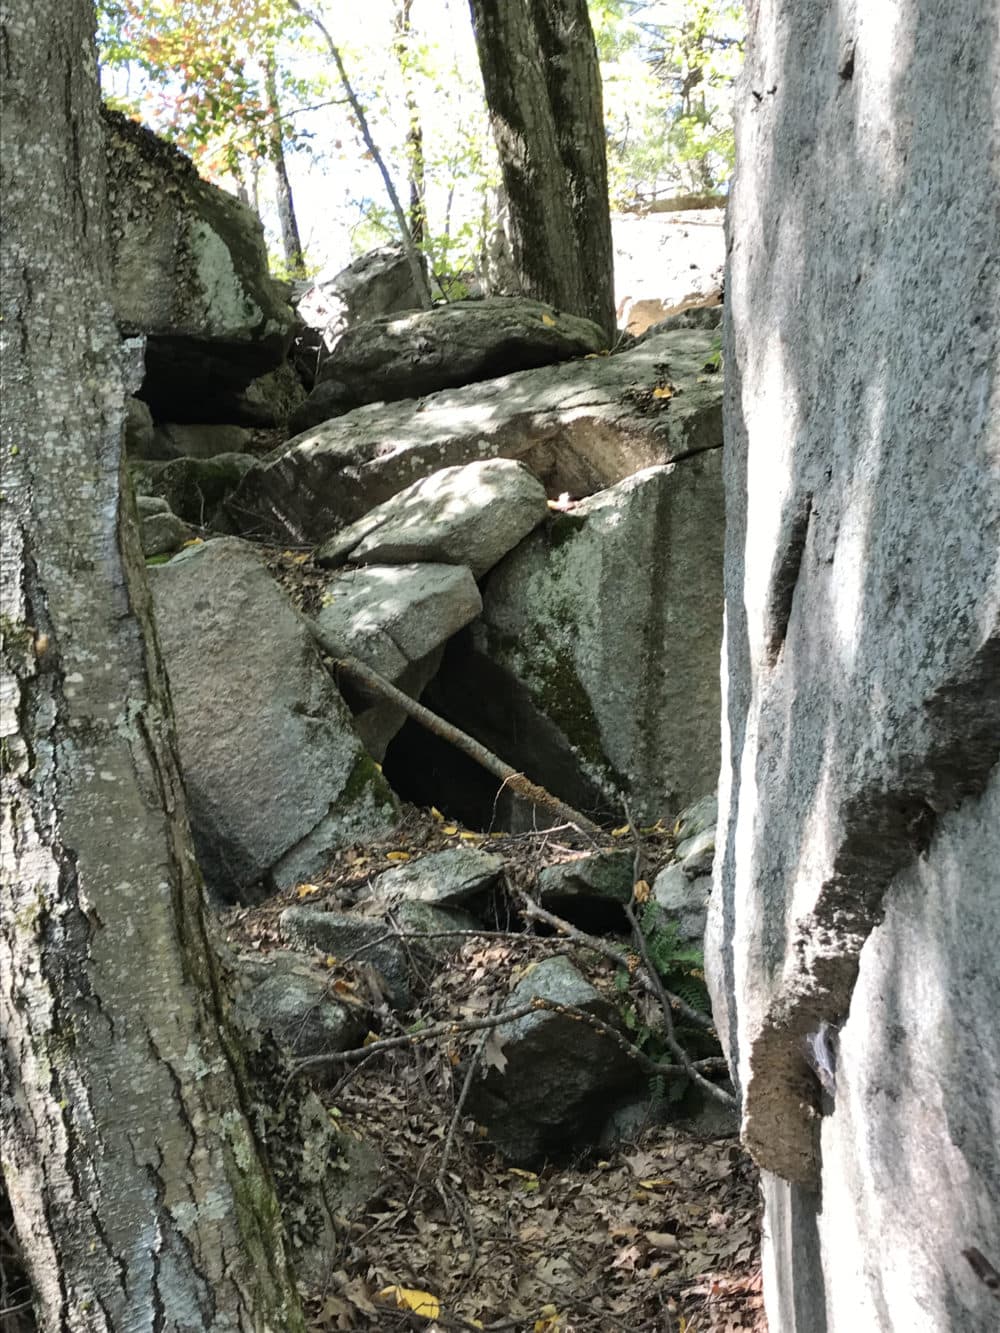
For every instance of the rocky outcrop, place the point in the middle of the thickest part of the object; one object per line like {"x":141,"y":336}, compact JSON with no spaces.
{"x":858,"y":804}
{"x":578,"y":427}
{"x":275,"y":775}
{"x":189,"y":270}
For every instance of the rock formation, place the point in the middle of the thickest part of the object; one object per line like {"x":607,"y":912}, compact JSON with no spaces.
{"x":859,"y":817}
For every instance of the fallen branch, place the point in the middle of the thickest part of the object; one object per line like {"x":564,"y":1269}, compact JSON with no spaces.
{"x":459,"y":1026}
{"x":372,"y":680}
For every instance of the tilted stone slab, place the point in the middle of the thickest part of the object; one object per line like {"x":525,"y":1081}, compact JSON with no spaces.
{"x":396,"y":619}
{"x":470,"y":516}
{"x":579,"y":427}
{"x":453,"y":878}
{"x":275,"y":774}
{"x":189,"y":270}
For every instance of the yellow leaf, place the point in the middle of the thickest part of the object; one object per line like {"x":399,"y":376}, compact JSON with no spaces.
{"x":436,"y":814}
{"x":195,"y":541}
{"x":547,"y":319}
{"x":369,"y":1038}
{"x":664,"y":391}
{"x":620,"y":832}
{"x":659,"y":1183}
{"x":549,"y":1322}
{"x":397,"y":856}
{"x":525,"y":1175}
{"x":471,"y":837}
{"x":641,"y":891}
{"x":329,"y":961}
{"x":304,"y":890}
{"x":378,"y":767}
{"x":450,"y":829}
{"x":301,"y":559}
{"x":420,"y":1302}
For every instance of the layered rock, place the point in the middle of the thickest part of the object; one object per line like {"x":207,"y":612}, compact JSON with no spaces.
{"x":579,"y":427}
{"x":189,"y":270}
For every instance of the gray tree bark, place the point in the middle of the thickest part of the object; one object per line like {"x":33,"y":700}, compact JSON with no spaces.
{"x":543,"y":88}
{"x":291,"y":241}
{"x":139,"y":1195}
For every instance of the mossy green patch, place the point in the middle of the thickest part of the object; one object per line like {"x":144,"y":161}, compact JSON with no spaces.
{"x":365,"y":777}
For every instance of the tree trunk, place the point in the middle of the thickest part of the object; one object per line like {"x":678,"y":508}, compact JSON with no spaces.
{"x":543,"y":87}
{"x":290,"y":239}
{"x":138,"y":1192}
{"x":416,"y":164}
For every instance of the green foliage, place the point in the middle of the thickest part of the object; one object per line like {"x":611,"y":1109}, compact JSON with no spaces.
{"x":668,"y":68}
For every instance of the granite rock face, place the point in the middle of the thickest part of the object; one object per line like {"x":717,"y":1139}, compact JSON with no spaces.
{"x":862,"y":660}
{"x":611,"y":618}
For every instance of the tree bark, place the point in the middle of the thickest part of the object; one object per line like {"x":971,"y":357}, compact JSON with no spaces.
{"x":290,"y":238}
{"x":139,"y":1194}
{"x":543,"y":88}
{"x":416,"y":163}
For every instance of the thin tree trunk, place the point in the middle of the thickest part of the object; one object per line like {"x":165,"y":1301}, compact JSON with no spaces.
{"x":413,"y":256}
{"x":414,"y":128}
{"x":543,"y":88}
{"x":290,"y":239}
{"x":138,"y":1192}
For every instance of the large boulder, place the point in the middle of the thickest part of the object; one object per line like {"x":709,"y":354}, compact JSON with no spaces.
{"x":470,"y":516}
{"x":855,"y":915}
{"x":189,"y":270}
{"x":579,"y":427}
{"x":550,"y":1098}
{"x":611,"y":618}
{"x":275,"y":774}
{"x":377,"y":283}
{"x":418,"y":352}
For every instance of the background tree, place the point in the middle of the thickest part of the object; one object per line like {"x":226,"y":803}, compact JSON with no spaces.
{"x":138,"y":1191}
{"x":668,"y":70}
{"x":543,"y":88}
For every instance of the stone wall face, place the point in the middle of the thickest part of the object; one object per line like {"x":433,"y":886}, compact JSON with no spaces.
{"x":861,"y":669}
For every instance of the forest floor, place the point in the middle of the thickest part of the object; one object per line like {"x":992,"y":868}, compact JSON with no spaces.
{"x":660,"y":1233}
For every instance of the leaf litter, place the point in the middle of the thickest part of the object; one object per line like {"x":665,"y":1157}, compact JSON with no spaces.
{"x":657,"y":1235}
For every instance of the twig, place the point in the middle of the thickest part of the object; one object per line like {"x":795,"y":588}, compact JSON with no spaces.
{"x":373,"y":680}
{"x":457,"y":1027}
{"x":477,"y":1055}
{"x":642,"y":945}
{"x":613,"y":952}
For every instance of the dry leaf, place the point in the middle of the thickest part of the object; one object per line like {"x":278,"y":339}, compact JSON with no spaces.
{"x":304,"y":890}
{"x":450,"y":829}
{"x":405,"y":1298}
{"x":397,"y":856}
{"x":641,"y":891}
{"x":547,"y":319}
{"x":493,"y":1056}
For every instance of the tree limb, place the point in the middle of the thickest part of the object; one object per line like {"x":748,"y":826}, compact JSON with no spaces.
{"x":372,"y":680}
